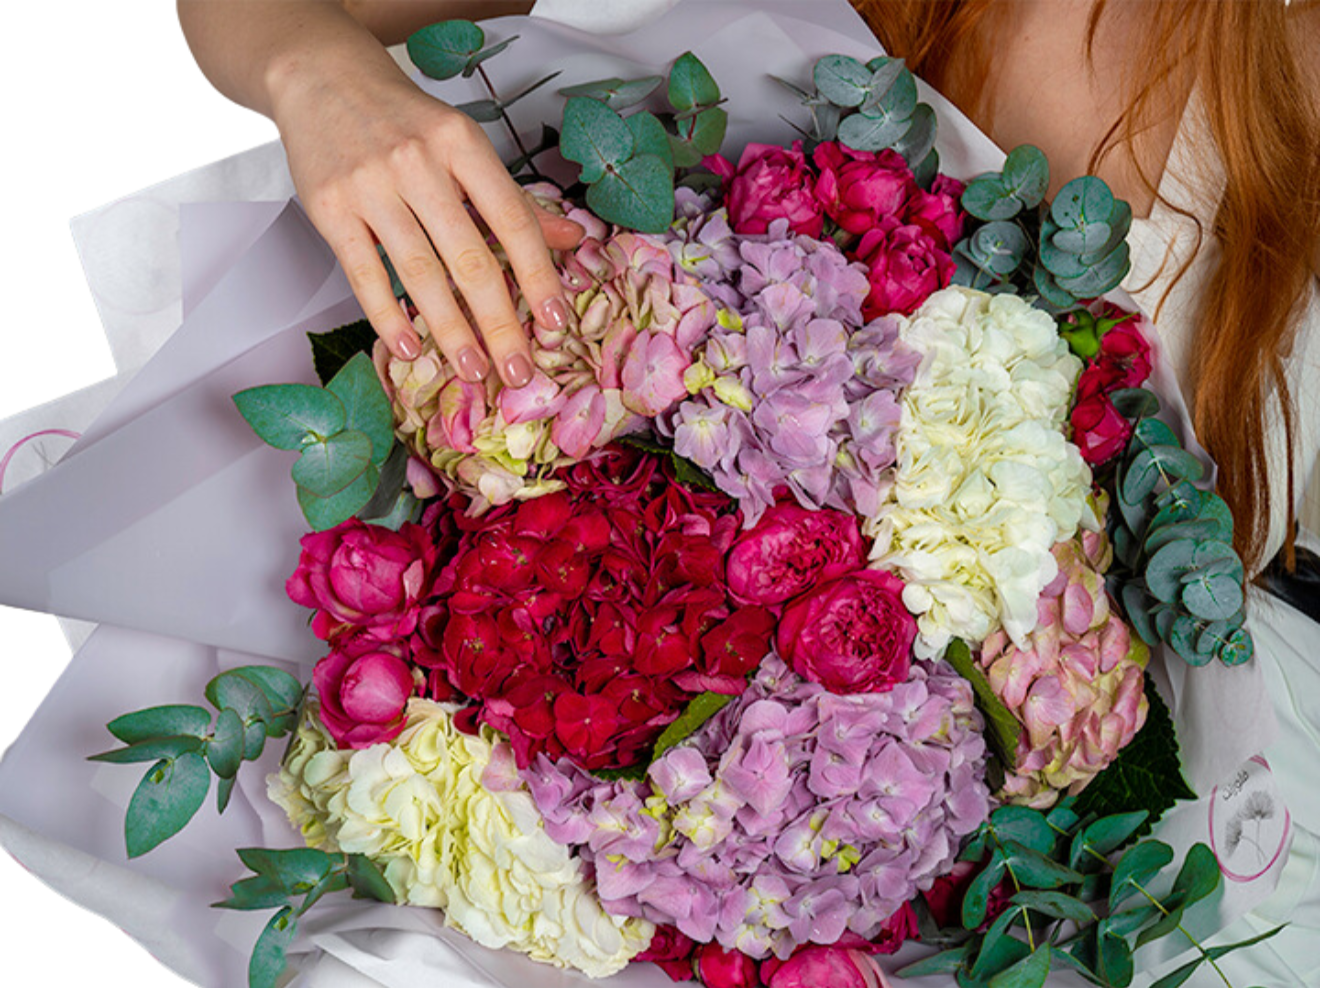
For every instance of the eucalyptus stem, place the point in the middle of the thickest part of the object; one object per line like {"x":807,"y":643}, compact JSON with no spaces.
{"x":1183,"y":930}
{"x":513,"y":132}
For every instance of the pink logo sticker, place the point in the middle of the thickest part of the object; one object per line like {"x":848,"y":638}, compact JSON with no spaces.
{"x":1249,"y":824}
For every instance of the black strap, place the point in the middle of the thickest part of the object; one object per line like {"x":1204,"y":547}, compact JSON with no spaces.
{"x":1300,"y":588}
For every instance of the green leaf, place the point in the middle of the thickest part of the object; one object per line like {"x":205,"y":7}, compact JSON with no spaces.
{"x":1081,"y":201}
{"x":842,"y":80}
{"x":332,"y":350}
{"x":1138,"y":866}
{"x":1127,"y":921}
{"x":1162,"y":927}
{"x":285,"y":415}
{"x":872,"y":133}
{"x":1134,"y":403}
{"x":1026,"y":826}
{"x":225,"y":752}
{"x":638,"y":194}
{"x":1167,"y":567}
{"x":1153,"y":432}
{"x":486,"y":53}
{"x":917,"y":144}
{"x":1036,"y":870}
{"x":1214,"y":596}
{"x":1026,"y":175}
{"x":1058,"y":905}
{"x":1002,"y":728}
{"x":1030,"y":972}
{"x":156,"y":722}
{"x":1180,"y":976}
{"x":649,"y":137}
{"x":254,"y":740}
{"x":167,"y":798}
{"x":1137,"y":606}
{"x":1239,"y":648}
{"x":690,"y":84}
{"x":247,"y":698}
{"x":1104,"y":276}
{"x":1105,"y":835}
{"x":1049,"y":289}
{"x":999,"y":950}
{"x":150,"y":750}
{"x":529,"y":89}
{"x":999,"y":247}
{"x":256,"y":892}
{"x":282,"y":690}
{"x":324,"y":513}
{"x":1159,"y":536}
{"x":1198,"y":876}
{"x":366,"y":405}
{"x":443,"y":50}
{"x":700,"y":709}
{"x":368,"y":880}
{"x":594,"y":136}
{"x":1156,"y":463}
{"x":326,"y":468}
{"x":945,"y":962}
{"x":268,"y":956}
{"x":977,"y":897}
{"x":1082,"y":239}
{"x":224,"y":788}
{"x":1146,"y":775}
{"x":390,"y":487}
{"x":1115,"y":957}
{"x":705,"y":131}
{"x":1218,"y":952}
{"x":617,"y":94}
{"x":482,"y":110}
{"x":296,"y":870}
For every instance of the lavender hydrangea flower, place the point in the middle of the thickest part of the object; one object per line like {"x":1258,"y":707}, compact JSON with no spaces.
{"x":792,"y":388}
{"x":792,"y":816}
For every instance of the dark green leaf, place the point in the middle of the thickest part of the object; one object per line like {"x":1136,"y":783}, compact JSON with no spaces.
{"x":1062,"y":815}
{"x":945,"y":962}
{"x":1199,"y":875}
{"x":367,"y":406}
{"x":151,"y":750}
{"x":594,"y":136}
{"x":1030,"y":972}
{"x":1057,"y":905}
{"x":332,"y":350}
{"x":617,"y":94}
{"x":482,"y":110}
{"x":999,"y":950}
{"x":1218,"y":952}
{"x":1035,"y":870}
{"x":529,"y":89}
{"x":1026,"y":826}
{"x":1239,"y":648}
{"x":700,"y":709}
{"x":234,"y":689}
{"x":486,"y":53}
{"x":842,"y":80}
{"x":1153,"y":432}
{"x":225,"y":752}
{"x":1180,"y":976}
{"x":1165,"y":925}
{"x":324,"y":513}
{"x":156,"y":722}
{"x":328,"y":467}
{"x":1026,"y":174}
{"x":368,"y":880}
{"x":1002,"y":728}
{"x":1127,"y":921}
{"x":1115,"y":958}
{"x":649,"y":137}
{"x":690,"y":84}
{"x":390,"y":488}
{"x":442,"y":50}
{"x":1134,"y":403}
{"x":268,"y":956}
{"x":257,"y":892}
{"x":638,"y":194}
{"x":977,"y":897}
{"x":167,"y":798}
{"x":1137,"y":867}
{"x":918,"y":143}
{"x":285,"y":415}
{"x":296,"y":870}
{"x":705,"y":131}
{"x":224,"y":788}
{"x":1106,"y":835}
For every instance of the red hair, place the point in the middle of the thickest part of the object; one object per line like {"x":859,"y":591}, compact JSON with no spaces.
{"x":1246,"y":59}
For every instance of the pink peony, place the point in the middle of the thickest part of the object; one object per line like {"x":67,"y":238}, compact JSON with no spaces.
{"x":671,"y":950}
{"x":906,"y":264}
{"x":363,"y":692}
{"x":860,"y":190}
{"x":819,"y":967}
{"x":791,"y":550}
{"x":852,"y":635}
{"x":720,"y":968}
{"x":770,"y":183}
{"x":940,"y":207}
{"x":364,"y":577}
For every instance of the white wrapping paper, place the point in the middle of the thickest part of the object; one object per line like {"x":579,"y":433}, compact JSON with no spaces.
{"x":170,"y":521}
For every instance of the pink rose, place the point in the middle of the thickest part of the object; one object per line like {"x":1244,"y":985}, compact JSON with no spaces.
{"x":1099,"y":431}
{"x":363,"y":692}
{"x":770,"y":183}
{"x":825,"y":967}
{"x":789,"y":551}
{"x":862,"y":189}
{"x":941,"y":207}
{"x":720,"y":968}
{"x":364,"y":577}
{"x":672,"y":950}
{"x":906,"y":265}
{"x":852,"y":635}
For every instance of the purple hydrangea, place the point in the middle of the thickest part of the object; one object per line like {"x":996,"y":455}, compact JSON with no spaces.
{"x":792,"y":388}
{"x":790,"y":817}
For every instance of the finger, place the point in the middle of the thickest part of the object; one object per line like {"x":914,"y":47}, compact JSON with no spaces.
{"x":420,"y":271}
{"x":367,"y":277}
{"x":560,"y":232}
{"x":510,"y":216}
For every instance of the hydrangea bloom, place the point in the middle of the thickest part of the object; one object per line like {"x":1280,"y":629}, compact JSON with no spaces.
{"x":621,"y":360}
{"x":1076,"y":684}
{"x":793,"y":815}
{"x":447,"y":818}
{"x":792,"y":387}
{"x":986,"y":484}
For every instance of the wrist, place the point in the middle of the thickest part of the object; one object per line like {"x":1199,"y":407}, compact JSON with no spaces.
{"x":304,"y":69}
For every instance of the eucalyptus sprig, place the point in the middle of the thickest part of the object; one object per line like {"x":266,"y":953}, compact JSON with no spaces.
{"x":255,"y":703}
{"x":282,"y":878}
{"x":1074,"y":902}
{"x":1177,"y":575}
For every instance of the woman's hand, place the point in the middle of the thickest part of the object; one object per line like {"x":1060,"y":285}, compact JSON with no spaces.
{"x":376,"y":160}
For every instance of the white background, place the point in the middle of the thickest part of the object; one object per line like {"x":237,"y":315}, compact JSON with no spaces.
{"x":100,"y":98}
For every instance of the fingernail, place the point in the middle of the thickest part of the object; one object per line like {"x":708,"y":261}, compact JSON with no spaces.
{"x":554,"y":314}
{"x":517,"y":370}
{"x":410,"y":348}
{"x":472,"y":364}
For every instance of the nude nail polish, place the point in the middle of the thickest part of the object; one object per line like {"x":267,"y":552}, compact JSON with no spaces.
{"x":410,"y":348}
{"x":554,"y":314}
{"x":472,"y":364}
{"x":517,"y":370}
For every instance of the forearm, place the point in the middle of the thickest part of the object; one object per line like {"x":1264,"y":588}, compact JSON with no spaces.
{"x":250,"y":50}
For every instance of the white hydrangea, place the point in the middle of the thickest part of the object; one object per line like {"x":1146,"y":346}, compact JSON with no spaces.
{"x":447,"y":818}
{"x":985,"y":482}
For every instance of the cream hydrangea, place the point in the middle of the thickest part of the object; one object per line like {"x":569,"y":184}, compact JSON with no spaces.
{"x":446,"y":816}
{"x":986,"y":483}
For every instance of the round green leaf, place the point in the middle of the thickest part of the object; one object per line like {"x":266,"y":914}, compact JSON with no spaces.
{"x":705,"y":131}
{"x":156,"y":722}
{"x":1199,"y":875}
{"x":225,"y":750}
{"x":254,"y":740}
{"x":999,"y":247}
{"x":1083,"y":200}
{"x":594,"y":136}
{"x":1181,"y":502}
{"x":367,"y":407}
{"x":649,"y":136}
{"x":282,"y":689}
{"x":1153,"y":432}
{"x":1216,"y":509}
{"x":1165,"y":570}
{"x":326,"y":468}
{"x":1059,"y":263}
{"x":1049,"y":288}
{"x":167,"y":798}
{"x":884,"y":73}
{"x":151,"y":750}
{"x":1104,"y":276}
{"x":1238,"y":649}
{"x":987,"y":198}
{"x":1138,"y":866}
{"x":616,"y":93}
{"x":1155,"y":464}
{"x":1027,"y":174}
{"x":872,"y":133}
{"x":1183,"y":635}
{"x":234,"y":690}
{"x":1134,"y":403}
{"x":638,"y":194}
{"x":1161,"y":535}
{"x":1214,"y":597}
{"x":691,"y":85}
{"x":896,"y":101}
{"x":842,"y":80}
{"x":368,"y":880}
{"x":324,"y":513}
{"x":1082,"y":239}
{"x":1024,"y":825}
{"x":919,"y":142}
{"x":442,"y":50}
{"x":1120,"y":224}
{"x":287,"y":415}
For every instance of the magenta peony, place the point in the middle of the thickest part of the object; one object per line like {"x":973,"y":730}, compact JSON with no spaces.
{"x":720,"y":968}
{"x":791,"y":550}
{"x":861,"y":189}
{"x":851,"y":635}
{"x":364,"y":690}
{"x":770,"y":183}
{"x":818,"y":967}
{"x":906,"y":263}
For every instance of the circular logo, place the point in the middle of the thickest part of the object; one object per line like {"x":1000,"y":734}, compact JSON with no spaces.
{"x":1249,"y":824}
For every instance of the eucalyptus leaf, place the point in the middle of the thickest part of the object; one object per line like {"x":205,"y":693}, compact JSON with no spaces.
{"x":691,"y":84}
{"x":1026,"y":174}
{"x":368,"y":880}
{"x":1179,"y":976}
{"x":1025,"y":825}
{"x":1081,"y":201}
{"x":705,"y":131}
{"x":928,"y":169}
{"x":918,"y":143}
{"x":649,"y":136}
{"x":283,"y":690}
{"x":1239,"y":648}
{"x":1165,"y":570}
{"x":594,"y":136}
{"x":254,"y":740}
{"x":155,"y":722}
{"x":269,"y":956}
{"x":1105,"y":835}
{"x":1058,"y":905}
{"x":392,"y":484}
{"x":324,"y":513}
{"x":442,"y":51}
{"x":945,"y":962}
{"x":246,"y":697}
{"x":1136,"y":605}
{"x":366,"y":406}
{"x":1213,"y":596}
{"x":1120,"y":225}
{"x":1162,"y":927}
{"x":1125,"y":922}
{"x":1102,"y":277}
{"x":150,"y":750}
{"x":1137,"y":867}
{"x":1134,"y":403}
{"x":616,"y":93}
{"x":255,"y":892}
{"x":296,"y":870}
{"x":977,"y":897}
{"x":875,"y":133}
{"x":1217,"y":952}
{"x":225,"y":750}
{"x":1153,"y":432}
{"x":1158,"y":536}
{"x":897,"y":101}
{"x":165,"y":800}
{"x":885,"y":72}
{"x":1115,"y":961}
{"x":1030,"y":972}
{"x":842,"y":80}
{"x":1060,"y":263}
{"x":1156,"y":463}
{"x":999,"y":950}
{"x":482,"y":110}
{"x":486,"y":53}
{"x":999,"y":247}
{"x":1037,"y":871}
{"x":224,"y":788}
{"x":1181,"y":502}
{"x":1082,"y":239}
{"x":286,"y":415}
{"x":327,"y":467}
{"x":638,"y":194}
{"x":987,"y":198}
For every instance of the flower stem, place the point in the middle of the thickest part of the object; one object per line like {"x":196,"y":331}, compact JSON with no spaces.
{"x":1183,"y":930}
{"x":490,"y":88}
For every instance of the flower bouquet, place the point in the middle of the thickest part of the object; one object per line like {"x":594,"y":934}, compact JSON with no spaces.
{"x":800,"y":606}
